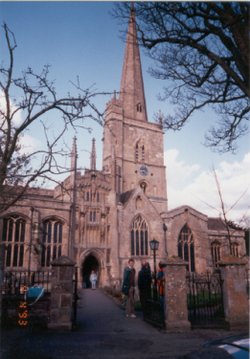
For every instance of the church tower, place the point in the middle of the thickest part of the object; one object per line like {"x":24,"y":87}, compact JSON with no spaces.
{"x":133,"y":151}
{"x":133,"y":158}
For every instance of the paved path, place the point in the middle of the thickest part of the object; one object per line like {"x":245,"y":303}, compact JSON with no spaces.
{"x":103,"y":332}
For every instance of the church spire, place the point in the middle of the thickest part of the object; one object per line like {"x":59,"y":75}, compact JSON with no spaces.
{"x":132,"y":89}
{"x":93,"y":156}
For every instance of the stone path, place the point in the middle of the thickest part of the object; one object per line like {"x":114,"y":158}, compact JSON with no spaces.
{"x":102,"y":332}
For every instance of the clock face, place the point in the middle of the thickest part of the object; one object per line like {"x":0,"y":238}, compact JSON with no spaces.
{"x":144,"y":170}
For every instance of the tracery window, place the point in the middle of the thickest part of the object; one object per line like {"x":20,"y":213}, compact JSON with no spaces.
{"x":92,"y":196}
{"x":51,"y":241}
{"x":216,"y":253}
{"x":139,"y":237}
{"x":235,"y":249}
{"x":14,"y":238}
{"x":92,"y":216}
{"x":186,"y":247}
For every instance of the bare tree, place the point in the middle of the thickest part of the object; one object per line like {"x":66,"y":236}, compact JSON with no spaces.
{"x":27,"y":100}
{"x":202,"y":49}
{"x":224,"y":211}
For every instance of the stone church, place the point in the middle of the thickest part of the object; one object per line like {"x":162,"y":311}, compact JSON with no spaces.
{"x":103,"y":217}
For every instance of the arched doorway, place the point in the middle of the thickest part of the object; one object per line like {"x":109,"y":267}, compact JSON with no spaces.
{"x":90,"y":263}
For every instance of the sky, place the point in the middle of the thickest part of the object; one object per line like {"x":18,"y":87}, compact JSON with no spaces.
{"x":82,"y":41}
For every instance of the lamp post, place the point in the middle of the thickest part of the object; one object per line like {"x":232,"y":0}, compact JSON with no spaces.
{"x":154,"y":245}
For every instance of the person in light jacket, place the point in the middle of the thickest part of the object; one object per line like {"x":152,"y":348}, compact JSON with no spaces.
{"x":93,"y":279}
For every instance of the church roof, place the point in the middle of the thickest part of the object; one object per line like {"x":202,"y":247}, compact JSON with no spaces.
{"x":125,"y":196}
{"x":216,"y":224}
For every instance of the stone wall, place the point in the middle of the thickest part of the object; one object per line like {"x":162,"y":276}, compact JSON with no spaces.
{"x":235,"y":293}
{"x":176,"y":311}
{"x":61,"y":294}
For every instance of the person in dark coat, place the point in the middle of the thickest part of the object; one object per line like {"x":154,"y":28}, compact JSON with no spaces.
{"x":128,"y":288}
{"x":144,"y":283}
{"x":160,"y":280}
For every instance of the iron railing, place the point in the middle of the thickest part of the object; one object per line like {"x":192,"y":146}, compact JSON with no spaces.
{"x":13,"y":282}
{"x":153,"y":308}
{"x":205,"y":299}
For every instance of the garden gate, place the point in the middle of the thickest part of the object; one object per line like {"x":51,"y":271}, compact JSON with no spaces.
{"x":153,"y":310}
{"x":205,"y":299}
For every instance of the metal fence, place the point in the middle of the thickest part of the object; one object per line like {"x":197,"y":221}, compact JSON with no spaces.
{"x":37,"y":312}
{"x":205,"y":299}
{"x":153,"y":308}
{"x":13,"y":282}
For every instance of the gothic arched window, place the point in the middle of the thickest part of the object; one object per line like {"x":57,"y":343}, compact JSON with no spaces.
{"x":14,"y":238}
{"x":139,"y":107}
{"x":92,"y":216}
{"x":186,"y":247}
{"x":139,"y":237}
{"x":136,"y":152}
{"x":52,"y":241}
{"x":235,"y":249}
{"x":215,"y":252}
{"x":143,"y":186}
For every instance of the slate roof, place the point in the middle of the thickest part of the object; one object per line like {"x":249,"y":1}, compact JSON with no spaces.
{"x":216,"y":224}
{"x":124,"y":197}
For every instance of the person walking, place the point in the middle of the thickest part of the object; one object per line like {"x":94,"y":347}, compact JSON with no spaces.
{"x":144,"y":284}
{"x":160,"y":278}
{"x":128,"y":288}
{"x":93,"y":279}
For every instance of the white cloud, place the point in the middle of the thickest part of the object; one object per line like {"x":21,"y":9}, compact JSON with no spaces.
{"x":197,"y":187}
{"x":17,"y":119}
{"x":177,"y":171}
{"x":29,"y":144}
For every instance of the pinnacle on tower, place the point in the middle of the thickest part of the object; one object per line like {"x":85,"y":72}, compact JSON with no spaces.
{"x":93,"y":156}
{"x":73,"y":155}
{"x":132,"y":89}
